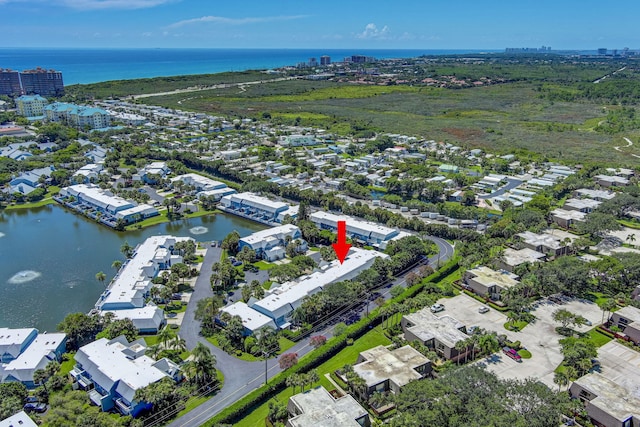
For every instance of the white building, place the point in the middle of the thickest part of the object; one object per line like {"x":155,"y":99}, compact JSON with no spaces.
{"x":112,"y":370}
{"x":88,"y":173}
{"x":282,"y":299}
{"x":318,"y":408}
{"x":130,"y":287}
{"x":31,"y":106}
{"x":367,"y":232}
{"x":252,"y":320}
{"x":201,"y":183}
{"x":24,"y":351}
{"x":257,"y":208}
{"x":21,"y":419}
{"x":270,"y":243}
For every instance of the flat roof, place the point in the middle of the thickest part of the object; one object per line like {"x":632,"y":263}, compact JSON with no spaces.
{"x":397,"y":365}
{"x":21,"y":419}
{"x":39,"y":353}
{"x":259,"y":236}
{"x":320,"y":409}
{"x":428,"y":326}
{"x":132,"y":281}
{"x":354,"y":225}
{"x":490,"y":277}
{"x":93,"y":194}
{"x":516,"y":257}
{"x":254,"y":200}
{"x":582,"y":203}
{"x":251,"y":318}
{"x":10,"y":337}
{"x":629,"y":312}
{"x":596,"y":194}
{"x":568,"y":215}
{"x":105,"y":359}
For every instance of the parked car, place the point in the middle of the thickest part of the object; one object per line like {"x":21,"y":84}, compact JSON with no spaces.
{"x":250,"y":267}
{"x":35,"y":407}
{"x":236,"y":263}
{"x":31,"y":399}
{"x":512,"y":353}
{"x":588,"y":322}
{"x":435,"y":308}
{"x":176,"y":297}
{"x":483,"y":310}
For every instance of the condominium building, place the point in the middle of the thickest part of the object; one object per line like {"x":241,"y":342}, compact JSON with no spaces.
{"x":441,"y":334}
{"x":76,"y":115}
{"x":42,"y":82}
{"x":258,"y":208}
{"x":31,"y":106}
{"x":10,"y":82}
{"x":367,"y":232}
{"x":270,"y":243}
{"x":318,"y":408}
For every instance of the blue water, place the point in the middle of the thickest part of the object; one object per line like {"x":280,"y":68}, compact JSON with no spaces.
{"x":96,"y":65}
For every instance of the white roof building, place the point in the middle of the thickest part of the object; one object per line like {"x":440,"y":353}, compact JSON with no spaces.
{"x":131,"y":285}
{"x":265,"y":239}
{"x":318,"y":408}
{"x":201,"y":183}
{"x":42,"y":350}
{"x":21,"y":419}
{"x":15,"y":341}
{"x":252,"y":319}
{"x":369,"y":232}
{"x":97,"y":197}
{"x":149,"y":318}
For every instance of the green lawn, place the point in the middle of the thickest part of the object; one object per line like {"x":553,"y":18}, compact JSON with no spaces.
{"x":350,"y":354}
{"x":46,"y":200}
{"x":264,"y":265}
{"x":67,"y":365}
{"x":598,"y":338}
{"x":525,"y":354}
{"x":515,"y":326}
{"x":202,"y":213}
{"x":158,"y":219}
{"x":199,"y":400}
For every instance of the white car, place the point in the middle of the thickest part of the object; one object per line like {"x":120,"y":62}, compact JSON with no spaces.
{"x":483,"y":310}
{"x":436,"y":308}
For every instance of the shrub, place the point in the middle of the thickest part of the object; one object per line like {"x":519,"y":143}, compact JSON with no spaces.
{"x":288,"y":360}
{"x":318,"y":340}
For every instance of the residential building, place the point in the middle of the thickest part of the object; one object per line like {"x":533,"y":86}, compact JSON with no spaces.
{"x":21,"y":419}
{"x":270,"y":244}
{"x":43,"y":82}
{"x":282,"y":299}
{"x":610,"y":394}
{"x":565,"y":218}
{"x":24,"y":351}
{"x":88,"y":173}
{"x":152,"y":172}
{"x":611,"y":181}
{"x":26,"y":182}
{"x":581,"y":205}
{"x":252,"y":320}
{"x":257,"y":208}
{"x":369,"y":233}
{"x":112,"y":370}
{"x":10,"y":82}
{"x":199,"y":182}
{"x":549,"y":244}
{"x":628,"y":320}
{"x":489,"y":283}
{"x":389,"y":370}
{"x":438,"y":333}
{"x":299,"y":141}
{"x":103,"y":205}
{"x":512,"y":258}
{"x":31,"y":106}
{"x":444,"y":168}
{"x":318,"y":408}
{"x":126,"y":294}
{"x":76,"y":115}
{"x":599,"y":195}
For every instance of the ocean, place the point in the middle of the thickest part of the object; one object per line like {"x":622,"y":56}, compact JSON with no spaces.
{"x":97,"y":65}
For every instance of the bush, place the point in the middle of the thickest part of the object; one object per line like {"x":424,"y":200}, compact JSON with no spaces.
{"x":349,"y":341}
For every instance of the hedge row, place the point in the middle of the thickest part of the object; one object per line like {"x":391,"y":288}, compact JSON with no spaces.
{"x":316,"y":357}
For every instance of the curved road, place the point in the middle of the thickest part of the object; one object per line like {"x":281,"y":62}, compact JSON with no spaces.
{"x":242,"y":377}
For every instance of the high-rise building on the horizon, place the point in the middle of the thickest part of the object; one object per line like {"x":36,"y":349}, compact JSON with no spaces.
{"x":9,"y":82}
{"x":602,"y":51}
{"x":325,"y":60}
{"x":42,"y":82}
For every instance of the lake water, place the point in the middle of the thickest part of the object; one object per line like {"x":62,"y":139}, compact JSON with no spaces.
{"x":49,"y":258}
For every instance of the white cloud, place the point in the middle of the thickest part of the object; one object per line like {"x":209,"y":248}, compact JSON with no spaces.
{"x":234,"y":21}
{"x":371,"y":31}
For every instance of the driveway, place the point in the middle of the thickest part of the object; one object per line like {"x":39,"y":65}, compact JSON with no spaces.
{"x":539,"y":337}
{"x":511,"y":184}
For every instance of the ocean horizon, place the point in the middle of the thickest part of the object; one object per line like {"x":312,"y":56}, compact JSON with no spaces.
{"x":82,"y":65}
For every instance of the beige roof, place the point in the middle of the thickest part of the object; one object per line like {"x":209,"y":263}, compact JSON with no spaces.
{"x":397,"y":365}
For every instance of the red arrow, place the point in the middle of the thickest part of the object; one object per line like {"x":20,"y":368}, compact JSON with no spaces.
{"x":341,"y":247}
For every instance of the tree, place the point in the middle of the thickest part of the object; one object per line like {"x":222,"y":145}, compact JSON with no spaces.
{"x":277,"y":412}
{"x":205,"y":364}
{"x":606,"y":306}
{"x":12,"y":395}
{"x":564,"y":317}
{"x":230,"y":242}
{"x":318,"y":341}
{"x":119,"y":327}
{"x":40,"y":377}
{"x":396,"y":291}
{"x":101,"y":277}
{"x":126,"y":250}
{"x":116,"y":264}
{"x":288,"y":360}
{"x":206,"y":311}
{"x":80,"y":328}
{"x":165,"y":335}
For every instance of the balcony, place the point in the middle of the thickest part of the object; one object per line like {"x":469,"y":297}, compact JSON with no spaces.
{"x":123,"y":407}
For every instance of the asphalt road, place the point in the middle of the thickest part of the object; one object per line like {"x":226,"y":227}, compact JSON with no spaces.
{"x":511,"y":184}
{"x":242,"y":377}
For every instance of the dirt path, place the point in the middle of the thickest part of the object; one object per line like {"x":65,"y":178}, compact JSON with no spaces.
{"x":242,"y":86}
{"x":629,"y":144}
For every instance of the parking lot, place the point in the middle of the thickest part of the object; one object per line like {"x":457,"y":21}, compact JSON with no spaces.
{"x":539,"y":337}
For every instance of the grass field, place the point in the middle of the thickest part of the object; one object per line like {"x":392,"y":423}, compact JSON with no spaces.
{"x":46,"y":200}
{"x":371,"y":339}
{"x":505,"y":117}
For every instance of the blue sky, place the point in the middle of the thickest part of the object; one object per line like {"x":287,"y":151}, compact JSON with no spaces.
{"x":375,"y":24}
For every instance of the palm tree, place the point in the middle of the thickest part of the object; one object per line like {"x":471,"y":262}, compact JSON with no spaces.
{"x":40,"y":376}
{"x":378,"y":399}
{"x":313,"y":377}
{"x":153,"y":351}
{"x":461,"y":346}
{"x":178,"y":344}
{"x":101,"y":277}
{"x":606,"y":306}
{"x":165,"y":335}
{"x":292,"y":381}
{"x":561,"y":379}
{"x":52,"y":368}
{"x":631,"y":238}
{"x":205,"y":363}
{"x":571,"y":372}
{"x":126,"y":250}
{"x":116,"y":264}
